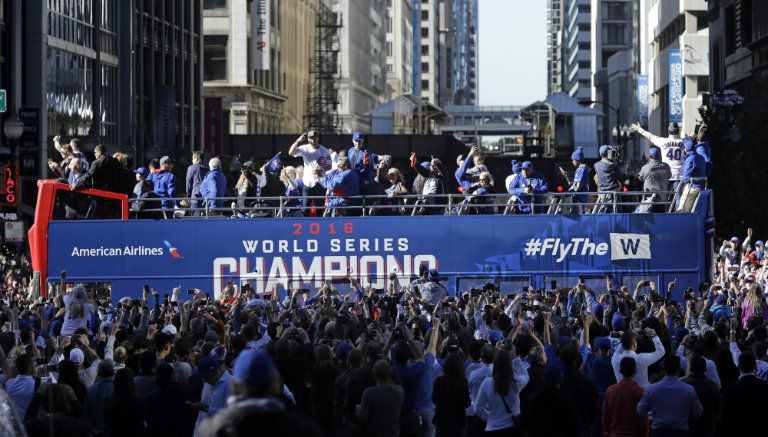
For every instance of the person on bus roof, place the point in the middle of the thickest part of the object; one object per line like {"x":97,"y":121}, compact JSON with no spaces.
{"x":580,"y":181}
{"x":433,"y":187}
{"x":165,"y":182}
{"x":529,"y":187}
{"x":466,"y":175}
{"x":342,"y":183}
{"x":214,"y":184}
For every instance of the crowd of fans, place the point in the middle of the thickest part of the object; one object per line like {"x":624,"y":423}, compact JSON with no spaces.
{"x":406,"y":361}
{"x":334,"y":181}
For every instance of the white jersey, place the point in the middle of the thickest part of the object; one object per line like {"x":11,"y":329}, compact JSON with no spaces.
{"x":313,"y":159}
{"x":672,"y":153}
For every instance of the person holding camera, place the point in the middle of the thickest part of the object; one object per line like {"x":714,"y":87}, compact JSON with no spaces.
{"x":628,"y":347}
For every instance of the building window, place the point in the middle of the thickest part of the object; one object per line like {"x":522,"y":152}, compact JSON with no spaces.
{"x":389,"y":48}
{"x":614,"y":34}
{"x":425,"y":85}
{"x":215,"y":57}
{"x":214,"y":4}
{"x":584,"y":45}
{"x":389,"y":24}
{"x":425,"y":32}
{"x":425,"y":67}
{"x":425,"y":50}
{"x":390,"y":68}
{"x":585,"y":64}
{"x":614,"y":11}
{"x":424,"y":15}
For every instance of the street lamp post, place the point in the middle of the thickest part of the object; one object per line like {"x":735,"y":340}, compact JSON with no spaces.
{"x":617,"y":110}
{"x":13,"y":129}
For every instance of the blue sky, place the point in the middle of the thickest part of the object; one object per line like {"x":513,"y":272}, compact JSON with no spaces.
{"x":512,"y":52}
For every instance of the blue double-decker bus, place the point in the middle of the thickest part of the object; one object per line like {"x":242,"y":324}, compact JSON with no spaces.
{"x":511,"y":250}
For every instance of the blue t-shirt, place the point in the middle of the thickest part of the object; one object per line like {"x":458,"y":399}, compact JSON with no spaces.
{"x":416,"y":379}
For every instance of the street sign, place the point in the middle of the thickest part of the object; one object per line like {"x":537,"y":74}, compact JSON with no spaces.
{"x":3,"y":101}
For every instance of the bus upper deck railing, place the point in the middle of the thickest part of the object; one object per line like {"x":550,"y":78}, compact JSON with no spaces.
{"x":684,"y":199}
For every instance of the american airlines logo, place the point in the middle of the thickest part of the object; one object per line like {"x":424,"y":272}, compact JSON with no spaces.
{"x":622,"y":246}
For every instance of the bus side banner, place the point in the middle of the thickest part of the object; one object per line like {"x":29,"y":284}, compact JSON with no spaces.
{"x":305,"y":252}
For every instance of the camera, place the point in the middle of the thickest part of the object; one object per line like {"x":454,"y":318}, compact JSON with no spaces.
{"x":474,"y":292}
{"x":613,"y":153}
{"x":689,"y":294}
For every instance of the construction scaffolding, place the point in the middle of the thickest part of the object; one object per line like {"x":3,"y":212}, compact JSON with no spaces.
{"x":323,"y":96}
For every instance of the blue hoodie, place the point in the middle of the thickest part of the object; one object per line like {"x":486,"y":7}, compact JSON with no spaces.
{"x":165,"y":187}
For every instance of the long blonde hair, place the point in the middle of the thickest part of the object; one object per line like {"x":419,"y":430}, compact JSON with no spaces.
{"x":755,"y":297}
{"x":284,"y":173}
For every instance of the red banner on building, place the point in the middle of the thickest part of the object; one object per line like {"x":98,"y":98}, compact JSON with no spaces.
{"x":213,"y":126}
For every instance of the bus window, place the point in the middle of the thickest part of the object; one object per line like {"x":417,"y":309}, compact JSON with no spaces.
{"x":77,"y":205}
{"x":507,"y":285}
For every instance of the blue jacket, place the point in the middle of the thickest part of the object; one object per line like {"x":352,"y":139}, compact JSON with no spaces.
{"x":366,"y":171}
{"x":165,"y":187}
{"x":463,"y":177}
{"x":580,"y":184}
{"x":536,"y":181}
{"x":214,"y":185}
{"x":694,"y":166}
{"x":372,"y":158}
{"x":705,"y":152}
{"x":342,"y":184}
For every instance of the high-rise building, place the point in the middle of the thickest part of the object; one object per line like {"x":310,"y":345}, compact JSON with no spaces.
{"x":611,"y":24}
{"x":251,"y":100}
{"x":458,"y":52}
{"x":738,"y":44}
{"x":362,"y":85}
{"x":683,"y":26}
{"x":426,"y":62}
{"x":399,"y":47}
{"x":576,"y":49}
{"x":555,"y":24}
{"x":127,"y":75}
{"x":301,"y":17}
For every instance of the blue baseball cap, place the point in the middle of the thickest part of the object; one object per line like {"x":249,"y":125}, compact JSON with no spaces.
{"x":343,"y":350}
{"x":721,"y":299}
{"x":604,"y":149}
{"x":603,"y":343}
{"x":735,"y":240}
{"x":254,"y":367}
{"x":433,"y":275}
{"x":759,"y":243}
{"x":516,"y":166}
{"x":358,"y":136}
{"x":425,"y":164}
{"x":688,"y":143}
{"x":617,"y":322}
{"x":144,"y":171}
{"x":207,"y":364}
{"x":655,"y":153}
{"x":578,"y":155}
{"x":527,"y":164}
